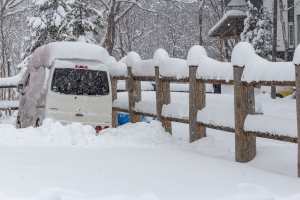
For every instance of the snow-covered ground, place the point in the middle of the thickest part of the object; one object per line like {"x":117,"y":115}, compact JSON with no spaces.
{"x":139,"y":162}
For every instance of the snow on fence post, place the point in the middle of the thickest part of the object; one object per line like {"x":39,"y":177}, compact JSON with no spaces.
{"x":133,"y":95}
{"x":245,"y":144}
{"x":297,"y":70}
{"x":196,"y":102}
{"x":114,"y":83}
{"x":163,"y":96}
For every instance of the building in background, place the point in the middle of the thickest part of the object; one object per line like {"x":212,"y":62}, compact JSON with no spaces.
{"x":231,"y":24}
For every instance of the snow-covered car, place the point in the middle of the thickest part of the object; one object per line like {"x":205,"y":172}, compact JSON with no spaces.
{"x":68,"y":82}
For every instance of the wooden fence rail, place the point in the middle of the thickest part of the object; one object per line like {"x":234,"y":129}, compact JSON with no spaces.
{"x":13,"y":106}
{"x":244,"y":104}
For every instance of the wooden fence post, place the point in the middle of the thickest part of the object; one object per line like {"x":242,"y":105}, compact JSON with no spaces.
{"x":163,"y":96}
{"x":297,"y":69}
{"x":196,"y":102}
{"x":134,"y":95}
{"x":166,"y":99}
{"x":245,"y":145}
{"x":158,"y":93}
{"x":114,"y":83}
{"x":251,"y":100}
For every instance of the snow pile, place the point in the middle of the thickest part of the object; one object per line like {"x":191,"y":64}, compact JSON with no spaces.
{"x":142,"y":162}
{"x":140,"y":67}
{"x":259,"y":69}
{"x":69,"y":50}
{"x":169,"y":67}
{"x":53,"y":133}
{"x":117,"y":69}
{"x":132,"y":58}
{"x":136,"y":135}
{"x":209,"y":68}
{"x":173,"y":67}
{"x":146,"y":67}
{"x":75,"y":50}
{"x":160,"y":55}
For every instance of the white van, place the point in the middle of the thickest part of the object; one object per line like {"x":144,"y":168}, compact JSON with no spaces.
{"x":69,"y":82}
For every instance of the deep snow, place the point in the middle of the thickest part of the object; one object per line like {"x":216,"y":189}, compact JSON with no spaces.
{"x":138,"y":162}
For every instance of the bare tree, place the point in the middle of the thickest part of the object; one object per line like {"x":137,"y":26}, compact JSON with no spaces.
{"x":283,"y":26}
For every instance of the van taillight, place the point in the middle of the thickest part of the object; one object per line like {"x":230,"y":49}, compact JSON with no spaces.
{"x":81,"y":67}
{"x":100,"y":128}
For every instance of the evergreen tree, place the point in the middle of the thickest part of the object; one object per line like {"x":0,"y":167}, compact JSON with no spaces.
{"x":63,"y":20}
{"x":258,"y":30}
{"x":46,"y":22}
{"x":84,"y":21}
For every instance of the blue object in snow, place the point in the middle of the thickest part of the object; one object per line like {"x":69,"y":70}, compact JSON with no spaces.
{"x":124,"y":118}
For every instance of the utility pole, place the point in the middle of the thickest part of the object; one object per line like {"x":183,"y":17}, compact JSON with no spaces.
{"x":274,"y":44}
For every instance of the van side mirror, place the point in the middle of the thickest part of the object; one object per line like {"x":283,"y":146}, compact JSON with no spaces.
{"x":20,"y":88}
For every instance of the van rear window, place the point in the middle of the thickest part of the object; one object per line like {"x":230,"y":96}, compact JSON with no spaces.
{"x":80,"y":82}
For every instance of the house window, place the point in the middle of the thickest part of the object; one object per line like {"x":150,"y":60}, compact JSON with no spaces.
{"x":291,"y":35}
{"x":291,"y":11}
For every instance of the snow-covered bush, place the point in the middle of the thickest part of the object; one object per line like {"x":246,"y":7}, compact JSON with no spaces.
{"x":258,"y":30}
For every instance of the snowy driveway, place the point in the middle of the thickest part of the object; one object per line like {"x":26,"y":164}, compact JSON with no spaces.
{"x":135,"y":162}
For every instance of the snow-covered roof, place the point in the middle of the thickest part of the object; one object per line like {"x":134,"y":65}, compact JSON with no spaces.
{"x":232,"y":18}
{"x":68,"y":50}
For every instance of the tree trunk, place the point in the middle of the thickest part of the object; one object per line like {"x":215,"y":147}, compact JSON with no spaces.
{"x":111,"y":29}
{"x":274,"y":43}
{"x":283,"y":25}
{"x":201,"y":21}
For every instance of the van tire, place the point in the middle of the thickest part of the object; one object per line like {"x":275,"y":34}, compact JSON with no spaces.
{"x":37,"y":123}
{"x":18,"y":124}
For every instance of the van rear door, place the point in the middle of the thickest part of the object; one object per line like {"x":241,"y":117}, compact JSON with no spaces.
{"x":80,"y":94}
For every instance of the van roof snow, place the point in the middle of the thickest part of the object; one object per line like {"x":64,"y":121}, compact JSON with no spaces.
{"x":46,"y":54}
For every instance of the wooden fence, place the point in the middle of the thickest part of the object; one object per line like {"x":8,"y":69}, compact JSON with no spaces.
{"x":244,"y":104}
{"x":12,"y":105}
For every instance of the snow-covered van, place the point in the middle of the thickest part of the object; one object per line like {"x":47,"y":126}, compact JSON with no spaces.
{"x":68,"y":82}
